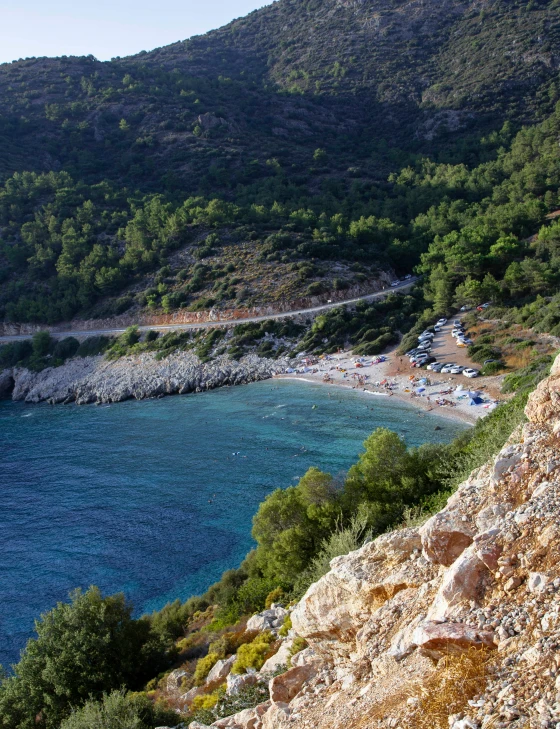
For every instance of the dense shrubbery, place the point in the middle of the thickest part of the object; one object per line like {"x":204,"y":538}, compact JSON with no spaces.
{"x":82,"y":650}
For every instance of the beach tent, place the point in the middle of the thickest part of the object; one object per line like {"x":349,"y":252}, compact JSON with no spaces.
{"x":420,"y":389}
{"x":473,"y":393}
{"x":476,"y":400}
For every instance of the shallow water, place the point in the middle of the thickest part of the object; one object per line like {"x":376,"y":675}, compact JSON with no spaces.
{"x":148,"y":498}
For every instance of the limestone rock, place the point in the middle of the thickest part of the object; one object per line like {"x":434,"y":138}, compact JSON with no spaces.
{"x":6,"y":383}
{"x":460,"y":585}
{"x":220,"y":670}
{"x":446,"y":535}
{"x":543,"y":405}
{"x":277,"y":717}
{"x":271,"y":619}
{"x":175,"y":679}
{"x":285,"y":687}
{"x":237,"y":682}
{"x":280,"y":658}
{"x":438,"y":639}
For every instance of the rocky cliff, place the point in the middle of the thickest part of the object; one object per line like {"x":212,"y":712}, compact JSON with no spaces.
{"x":451,"y":624}
{"x":97,"y":380}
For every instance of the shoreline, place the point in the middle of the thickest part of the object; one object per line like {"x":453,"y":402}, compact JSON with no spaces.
{"x":442,"y":395}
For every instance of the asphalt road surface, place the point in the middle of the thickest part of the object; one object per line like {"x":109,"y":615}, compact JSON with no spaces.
{"x":212,"y":324}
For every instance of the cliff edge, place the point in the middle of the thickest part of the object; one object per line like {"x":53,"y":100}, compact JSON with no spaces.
{"x":452,"y":624}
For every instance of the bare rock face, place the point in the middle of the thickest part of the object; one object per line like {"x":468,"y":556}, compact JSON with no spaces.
{"x":543,"y":405}
{"x":97,"y":380}
{"x":6,"y":383}
{"x":461,"y":584}
{"x":334,"y":608}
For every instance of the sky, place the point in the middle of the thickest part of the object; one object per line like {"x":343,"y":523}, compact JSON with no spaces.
{"x":108,"y":28}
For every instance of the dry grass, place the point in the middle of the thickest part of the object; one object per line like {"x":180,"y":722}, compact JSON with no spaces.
{"x":457,"y":679}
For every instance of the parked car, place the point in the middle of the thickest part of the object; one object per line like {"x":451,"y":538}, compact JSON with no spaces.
{"x":437,"y":328}
{"x":436,"y":367}
{"x":465,"y":308}
{"x":441,"y":322}
{"x":457,"y":333}
{"x":426,"y":335}
{"x":447,"y":367}
{"x":419,"y":358}
{"x":424,"y":362}
{"x":412,"y":352}
{"x":489,"y":361}
{"x":395,"y":283}
{"x":457,"y":323}
{"x":456,"y":370}
{"x":425,"y":346}
{"x":408,"y":276}
{"x":469,"y":372}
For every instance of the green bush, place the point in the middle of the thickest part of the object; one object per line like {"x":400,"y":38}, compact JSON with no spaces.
{"x":119,"y":710}
{"x":66,"y":348}
{"x":252,"y":655}
{"x":203,"y":668}
{"x":93,"y":346}
{"x":83,"y":649}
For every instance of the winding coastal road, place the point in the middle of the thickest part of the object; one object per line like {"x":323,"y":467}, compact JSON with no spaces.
{"x":405,"y":285}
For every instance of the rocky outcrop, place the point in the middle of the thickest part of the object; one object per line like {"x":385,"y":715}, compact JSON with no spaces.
{"x":6,"y":384}
{"x":97,"y":380}
{"x":481,"y":575}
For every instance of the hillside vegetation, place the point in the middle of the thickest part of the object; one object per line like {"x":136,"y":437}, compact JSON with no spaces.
{"x":263,"y":162}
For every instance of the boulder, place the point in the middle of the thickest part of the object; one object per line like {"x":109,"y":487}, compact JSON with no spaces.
{"x":175,"y":679}
{"x":277,"y":716}
{"x":287,"y":686}
{"x":461,"y":584}
{"x":237,"y":682}
{"x":270,"y":619}
{"x":438,"y":639}
{"x":220,"y":670}
{"x":280,"y":658}
{"x":446,"y":535}
{"x":335,"y":607}
{"x":537,"y":582}
{"x":192,"y":694}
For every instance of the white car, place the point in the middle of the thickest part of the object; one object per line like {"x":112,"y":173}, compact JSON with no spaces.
{"x":456,"y":370}
{"x":426,"y":346}
{"x":437,"y":328}
{"x":426,"y":335}
{"x":419,"y":358}
{"x":457,"y":333}
{"x":446,"y":369}
{"x":395,"y":283}
{"x":408,"y":276}
{"x":442,"y":321}
{"x":469,"y":372}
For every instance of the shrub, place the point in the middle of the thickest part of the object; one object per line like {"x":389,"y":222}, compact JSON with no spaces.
{"x":83,"y":649}
{"x":203,"y":668}
{"x":273,"y":597}
{"x":93,"y":346}
{"x":66,"y":348}
{"x":252,"y":655}
{"x":120,"y":710}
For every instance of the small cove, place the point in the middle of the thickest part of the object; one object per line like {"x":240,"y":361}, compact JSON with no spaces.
{"x":148,"y":498}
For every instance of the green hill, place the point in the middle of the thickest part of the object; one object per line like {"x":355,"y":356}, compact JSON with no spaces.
{"x":253,"y":164}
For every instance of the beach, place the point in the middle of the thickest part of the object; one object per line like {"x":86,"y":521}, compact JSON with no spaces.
{"x":392,"y":376}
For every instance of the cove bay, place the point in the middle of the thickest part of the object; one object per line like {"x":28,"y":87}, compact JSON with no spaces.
{"x":155,"y":498}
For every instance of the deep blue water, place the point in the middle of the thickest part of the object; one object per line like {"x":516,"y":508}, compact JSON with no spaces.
{"x":148,"y":498}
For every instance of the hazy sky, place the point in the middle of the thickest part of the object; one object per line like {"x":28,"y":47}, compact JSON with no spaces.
{"x":108,"y":28}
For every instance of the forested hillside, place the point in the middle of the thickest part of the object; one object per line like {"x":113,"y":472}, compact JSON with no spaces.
{"x":299,"y":150}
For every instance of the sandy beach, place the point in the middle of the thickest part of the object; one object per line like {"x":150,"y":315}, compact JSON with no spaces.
{"x":445,"y":395}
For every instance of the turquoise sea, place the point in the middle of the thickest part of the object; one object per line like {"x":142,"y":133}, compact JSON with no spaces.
{"x":148,"y":497}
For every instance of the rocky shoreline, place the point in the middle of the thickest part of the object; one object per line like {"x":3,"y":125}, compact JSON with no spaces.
{"x":98,"y":380}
